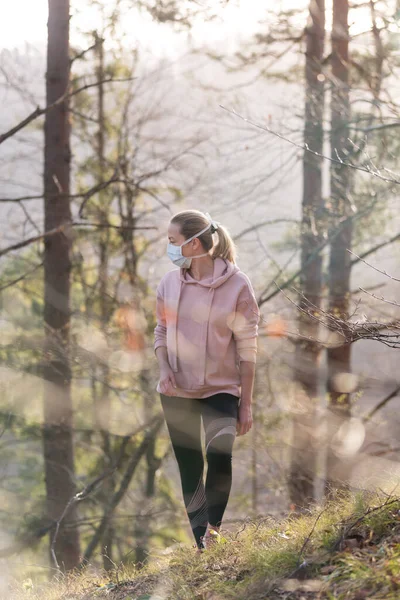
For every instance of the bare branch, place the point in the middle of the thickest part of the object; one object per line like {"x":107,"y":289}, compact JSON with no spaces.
{"x":259,"y":225}
{"x":38,"y":112}
{"x":349,"y":331}
{"x":367,"y":169}
{"x":382,"y":299}
{"x":22,"y":198}
{"x":378,"y":127}
{"x":83,"y":53}
{"x":262,"y":299}
{"x":21,"y":278}
{"x":346,"y":530}
{"x":27,"y":541}
{"x":115,"y":500}
{"x":308,"y":538}
{"x":110,"y":226}
{"x":375,"y":268}
{"x":375,"y":249}
{"x":63,"y":229}
{"x":381,"y":404}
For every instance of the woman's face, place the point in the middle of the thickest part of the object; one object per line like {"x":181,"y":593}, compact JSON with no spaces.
{"x":177,"y":239}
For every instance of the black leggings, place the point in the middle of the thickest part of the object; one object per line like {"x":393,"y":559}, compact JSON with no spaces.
{"x":204,"y":504}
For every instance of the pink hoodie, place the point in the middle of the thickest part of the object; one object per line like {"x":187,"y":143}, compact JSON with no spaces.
{"x":208,"y":327}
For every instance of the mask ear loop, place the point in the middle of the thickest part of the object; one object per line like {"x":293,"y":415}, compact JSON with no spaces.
{"x":210,"y":226}
{"x":197,"y":234}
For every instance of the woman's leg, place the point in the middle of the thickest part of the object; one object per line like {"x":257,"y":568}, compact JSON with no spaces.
{"x":183,"y":419}
{"x":219,"y":417}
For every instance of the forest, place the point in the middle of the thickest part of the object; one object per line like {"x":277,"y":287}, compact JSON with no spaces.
{"x":280,"y":120}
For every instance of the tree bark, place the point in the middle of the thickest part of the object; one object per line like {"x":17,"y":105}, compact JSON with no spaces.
{"x":341,"y":210}
{"x":303,"y":447}
{"x":57,"y":430}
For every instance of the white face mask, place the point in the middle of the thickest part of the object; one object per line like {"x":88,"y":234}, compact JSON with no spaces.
{"x":175,"y":252}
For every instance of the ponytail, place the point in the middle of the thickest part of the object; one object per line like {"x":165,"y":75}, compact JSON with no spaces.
{"x":225,"y":247}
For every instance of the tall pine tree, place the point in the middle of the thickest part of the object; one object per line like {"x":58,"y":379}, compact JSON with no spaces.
{"x":58,"y":412}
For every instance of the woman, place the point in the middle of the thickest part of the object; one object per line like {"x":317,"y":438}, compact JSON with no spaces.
{"x":205,"y":343}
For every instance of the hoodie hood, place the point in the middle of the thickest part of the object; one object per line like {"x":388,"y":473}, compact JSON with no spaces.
{"x":223,"y":270}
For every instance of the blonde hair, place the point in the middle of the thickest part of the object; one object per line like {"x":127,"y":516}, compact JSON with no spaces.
{"x":191,"y":222}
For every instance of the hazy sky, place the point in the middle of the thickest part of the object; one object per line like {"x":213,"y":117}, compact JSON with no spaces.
{"x":26,"y":21}
{"x":23,"y":20}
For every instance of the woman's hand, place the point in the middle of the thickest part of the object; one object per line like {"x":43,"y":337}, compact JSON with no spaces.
{"x":167,"y":381}
{"x":245,"y":418}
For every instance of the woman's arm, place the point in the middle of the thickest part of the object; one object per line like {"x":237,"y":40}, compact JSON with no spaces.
{"x":245,"y":331}
{"x":167,"y":378}
{"x":162,"y":357}
{"x":160,"y":331}
{"x":247,"y":374}
{"x":245,"y":417}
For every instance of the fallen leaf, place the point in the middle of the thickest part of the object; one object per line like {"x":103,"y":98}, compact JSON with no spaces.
{"x":327,"y":570}
{"x":351,"y":544}
{"x":297,"y":585}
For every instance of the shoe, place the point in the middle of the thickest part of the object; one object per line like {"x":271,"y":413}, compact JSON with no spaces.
{"x":211,"y":537}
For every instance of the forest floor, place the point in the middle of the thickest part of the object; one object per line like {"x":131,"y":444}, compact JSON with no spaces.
{"x":349,"y":549}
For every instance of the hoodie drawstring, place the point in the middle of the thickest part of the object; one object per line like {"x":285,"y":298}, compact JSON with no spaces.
{"x":174,"y":341}
{"x":204,"y":336}
{"x":223,"y":270}
{"x":203,"y":357}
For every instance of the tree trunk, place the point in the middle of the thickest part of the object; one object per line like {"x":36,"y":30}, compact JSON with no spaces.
{"x":144,"y":526}
{"x":303,"y":447}
{"x":57,"y":430}
{"x":342,"y":224}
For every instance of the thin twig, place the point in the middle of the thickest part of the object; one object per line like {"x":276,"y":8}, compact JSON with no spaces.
{"x":372,"y":266}
{"x":381,"y":298}
{"x":308,"y":538}
{"x":38,"y":112}
{"x":63,"y":229}
{"x":351,"y":526}
{"x":381,"y":404}
{"x":306,"y":148}
{"x":21,"y":278}
{"x":375,"y":249}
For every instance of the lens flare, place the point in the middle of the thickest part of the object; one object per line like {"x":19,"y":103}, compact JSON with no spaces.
{"x":349,"y":438}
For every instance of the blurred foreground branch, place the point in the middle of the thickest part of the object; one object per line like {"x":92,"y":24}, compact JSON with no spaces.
{"x":30,"y":539}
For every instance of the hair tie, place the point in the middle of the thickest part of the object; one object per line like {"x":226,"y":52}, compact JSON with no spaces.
{"x":213,"y":224}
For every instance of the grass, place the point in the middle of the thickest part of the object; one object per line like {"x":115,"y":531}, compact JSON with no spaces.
{"x":348,"y":549}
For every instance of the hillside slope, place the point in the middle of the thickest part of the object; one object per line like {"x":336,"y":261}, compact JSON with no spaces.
{"x":348,"y":549}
